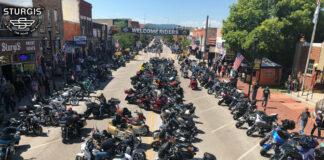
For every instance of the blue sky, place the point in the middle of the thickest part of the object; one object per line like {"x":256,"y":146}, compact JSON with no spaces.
{"x":183,"y":12}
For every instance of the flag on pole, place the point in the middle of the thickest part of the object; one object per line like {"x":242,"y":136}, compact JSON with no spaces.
{"x":318,"y":4}
{"x":238,"y":60}
{"x":223,"y":56}
{"x":117,"y":44}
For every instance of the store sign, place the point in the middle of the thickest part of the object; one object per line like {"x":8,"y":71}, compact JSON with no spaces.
{"x":21,"y":21}
{"x":156,"y":31}
{"x":13,"y":46}
{"x":80,"y":40}
{"x":5,"y":47}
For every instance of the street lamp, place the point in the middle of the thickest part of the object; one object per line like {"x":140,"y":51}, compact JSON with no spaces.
{"x":49,"y":29}
{"x":256,"y":40}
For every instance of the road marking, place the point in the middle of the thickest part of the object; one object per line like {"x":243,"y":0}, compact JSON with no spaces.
{"x":209,"y":109}
{"x":221,"y":127}
{"x":44,"y":144}
{"x":151,"y":138}
{"x":246,"y":153}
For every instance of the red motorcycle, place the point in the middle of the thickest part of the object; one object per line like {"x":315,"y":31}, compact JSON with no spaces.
{"x":158,"y":103}
{"x":193,"y":84}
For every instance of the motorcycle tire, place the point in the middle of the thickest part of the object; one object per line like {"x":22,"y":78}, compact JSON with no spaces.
{"x":146,"y":131}
{"x":217,"y":94}
{"x":263,"y":152}
{"x":64,"y":141}
{"x":249,"y":132}
{"x":220,"y":102}
{"x":239,"y":124}
{"x":263,"y":141}
{"x":210,"y":92}
{"x":236,"y":116}
{"x":79,"y":158}
{"x":38,"y":131}
{"x":155,"y":145}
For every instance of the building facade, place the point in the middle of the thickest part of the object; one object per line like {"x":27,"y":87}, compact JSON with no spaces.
{"x":314,"y":78}
{"x":51,"y":31}
{"x":85,"y":9}
{"x":17,"y":53}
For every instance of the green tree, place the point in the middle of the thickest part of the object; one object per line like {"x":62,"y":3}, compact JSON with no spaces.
{"x":279,"y":24}
{"x":126,"y":40}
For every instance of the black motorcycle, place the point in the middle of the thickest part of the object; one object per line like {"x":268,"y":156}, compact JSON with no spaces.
{"x":108,"y":108}
{"x":71,"y":126}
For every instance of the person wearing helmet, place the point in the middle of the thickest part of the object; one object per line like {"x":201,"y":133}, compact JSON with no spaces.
{"x":318,"y":123}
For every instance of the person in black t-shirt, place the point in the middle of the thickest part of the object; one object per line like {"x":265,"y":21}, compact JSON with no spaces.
{"x":105,"y":149}
{"x":266,"y":96}
{"x":303,"y":120}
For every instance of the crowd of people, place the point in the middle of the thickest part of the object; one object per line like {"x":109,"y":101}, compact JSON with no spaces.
{"x":25,"y":83}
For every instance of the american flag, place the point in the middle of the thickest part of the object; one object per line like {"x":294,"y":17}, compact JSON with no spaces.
{"x":238,"y":60}
{"x":117,"y":44}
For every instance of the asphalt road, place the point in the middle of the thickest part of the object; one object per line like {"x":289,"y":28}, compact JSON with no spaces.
{"x":218,"y":133}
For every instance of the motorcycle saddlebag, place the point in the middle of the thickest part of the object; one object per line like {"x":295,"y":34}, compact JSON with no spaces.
{"x":288,"y":124}
{"x":209,"y":156}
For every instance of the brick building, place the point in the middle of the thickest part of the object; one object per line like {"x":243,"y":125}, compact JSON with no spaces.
{"x":51,"y":31}
{"x":315,"y":68}
{"x":85,"y":9}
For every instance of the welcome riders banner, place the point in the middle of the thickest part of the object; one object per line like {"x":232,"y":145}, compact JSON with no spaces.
{"x":156,"y":31}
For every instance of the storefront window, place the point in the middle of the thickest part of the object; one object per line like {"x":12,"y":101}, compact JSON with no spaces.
{"x":310,"y":66}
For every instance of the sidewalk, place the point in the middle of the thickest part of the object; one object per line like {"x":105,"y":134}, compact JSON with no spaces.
{"x":284,"y":105}
{"x":307,"y":97}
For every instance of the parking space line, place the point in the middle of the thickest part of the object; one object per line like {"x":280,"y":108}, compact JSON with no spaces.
{"x":151,"y":138}
{"x":221,"y":127}
{"x":44,"y":144}
{"x":247,"y":152}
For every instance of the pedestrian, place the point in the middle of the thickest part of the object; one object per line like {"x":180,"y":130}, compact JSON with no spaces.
{"x":255,"y":88}
{"x":219,"y":67}
{"x":9,"y":97}
{"x":19,"y":86}
{"x":303,"y":117}
{"x":223,"y":70}
{"x":295,"y":85}
{"x":317,"y":124}
{"x":266,"y":96}
{"x":35,"y":87}
{"x":288,"y":83}
{"x":47,"y":84}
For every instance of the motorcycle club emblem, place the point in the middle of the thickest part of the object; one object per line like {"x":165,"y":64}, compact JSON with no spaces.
{"x":21,"y":21}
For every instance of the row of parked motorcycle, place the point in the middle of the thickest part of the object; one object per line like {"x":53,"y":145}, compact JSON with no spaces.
{"x":276,"y":136}
{"x":53,"y":111}
{"x":157,"y":88}
{"x":155,"y":47}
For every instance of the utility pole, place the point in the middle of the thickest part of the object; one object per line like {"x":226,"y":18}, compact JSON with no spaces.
{"x":310,"y":46}
{"x":205,"y":42}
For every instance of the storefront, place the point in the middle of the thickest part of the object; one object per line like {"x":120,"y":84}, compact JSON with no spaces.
{"x":18,"y":55}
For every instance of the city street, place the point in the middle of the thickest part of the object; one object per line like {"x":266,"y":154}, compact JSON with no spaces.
{"x":218,"y":134}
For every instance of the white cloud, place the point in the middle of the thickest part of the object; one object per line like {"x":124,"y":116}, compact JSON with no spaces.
{"x":212,"y":23}
{"x":190,"y":23}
